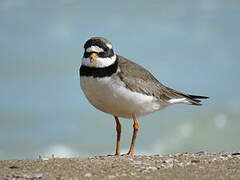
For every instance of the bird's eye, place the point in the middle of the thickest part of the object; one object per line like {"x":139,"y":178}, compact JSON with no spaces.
{"x":101,"y":54}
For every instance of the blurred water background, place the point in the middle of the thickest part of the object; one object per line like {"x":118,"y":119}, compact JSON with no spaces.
{"x":191,"y":46}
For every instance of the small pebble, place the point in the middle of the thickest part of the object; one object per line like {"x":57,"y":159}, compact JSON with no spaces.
{"x":132,"y":173}
{"x":200,"y":152}
{"x":46,"y":157}
{"x":152,"y":168}
{"x":214,"y":159}
{"x":224,"y":155}
{"x":88,"y":175}
{"x":13,"y":167}
{"x":111,"y":176}
{"x":195,"y":161}
{"x":170,"y":160}
{"x":180,"y":164}
{"x":123,"y":174}
{"x":236,"y":154}
{"x":27,"y":176}
{"x":37,"y":175}
{"x":137,"y":162}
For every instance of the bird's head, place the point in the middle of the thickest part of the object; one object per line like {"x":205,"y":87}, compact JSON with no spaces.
{"x":98,"y":52}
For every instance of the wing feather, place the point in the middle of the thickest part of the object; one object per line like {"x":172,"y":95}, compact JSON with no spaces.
{"x":138,"y":79}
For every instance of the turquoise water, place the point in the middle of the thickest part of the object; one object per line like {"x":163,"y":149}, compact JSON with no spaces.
{"x":191,"y":46}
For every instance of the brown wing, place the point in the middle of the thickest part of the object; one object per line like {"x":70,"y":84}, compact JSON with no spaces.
{"x":141,"y":80}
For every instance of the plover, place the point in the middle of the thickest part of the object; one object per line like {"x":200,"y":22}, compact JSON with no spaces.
{"x":122,"y":88}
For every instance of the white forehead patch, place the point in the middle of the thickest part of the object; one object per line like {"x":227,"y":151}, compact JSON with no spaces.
{"x":94,"y":49}
{"x":109,"y":46}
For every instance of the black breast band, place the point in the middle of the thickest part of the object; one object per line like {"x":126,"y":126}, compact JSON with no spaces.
{"x":100,"y":71}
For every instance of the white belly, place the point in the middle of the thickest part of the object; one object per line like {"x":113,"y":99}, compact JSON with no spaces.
{"x":110,"y":95}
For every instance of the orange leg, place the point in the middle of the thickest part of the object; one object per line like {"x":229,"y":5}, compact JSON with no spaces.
{"x":119,"y":129}
{"x":135,"y":131}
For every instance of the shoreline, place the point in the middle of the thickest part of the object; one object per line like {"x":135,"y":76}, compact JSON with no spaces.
{"x":179,"y":166}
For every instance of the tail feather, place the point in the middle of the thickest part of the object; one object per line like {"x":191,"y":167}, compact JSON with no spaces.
{"x":179,"y":97}
{"x":194,"y":99}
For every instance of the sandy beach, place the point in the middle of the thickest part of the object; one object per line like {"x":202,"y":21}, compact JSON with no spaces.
{"x":172,"y":166}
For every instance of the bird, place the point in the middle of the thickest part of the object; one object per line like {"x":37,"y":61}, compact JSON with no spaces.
{"x":120,"y":87}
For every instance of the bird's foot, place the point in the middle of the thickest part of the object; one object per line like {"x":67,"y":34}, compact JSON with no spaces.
{"x":128,"y":154}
